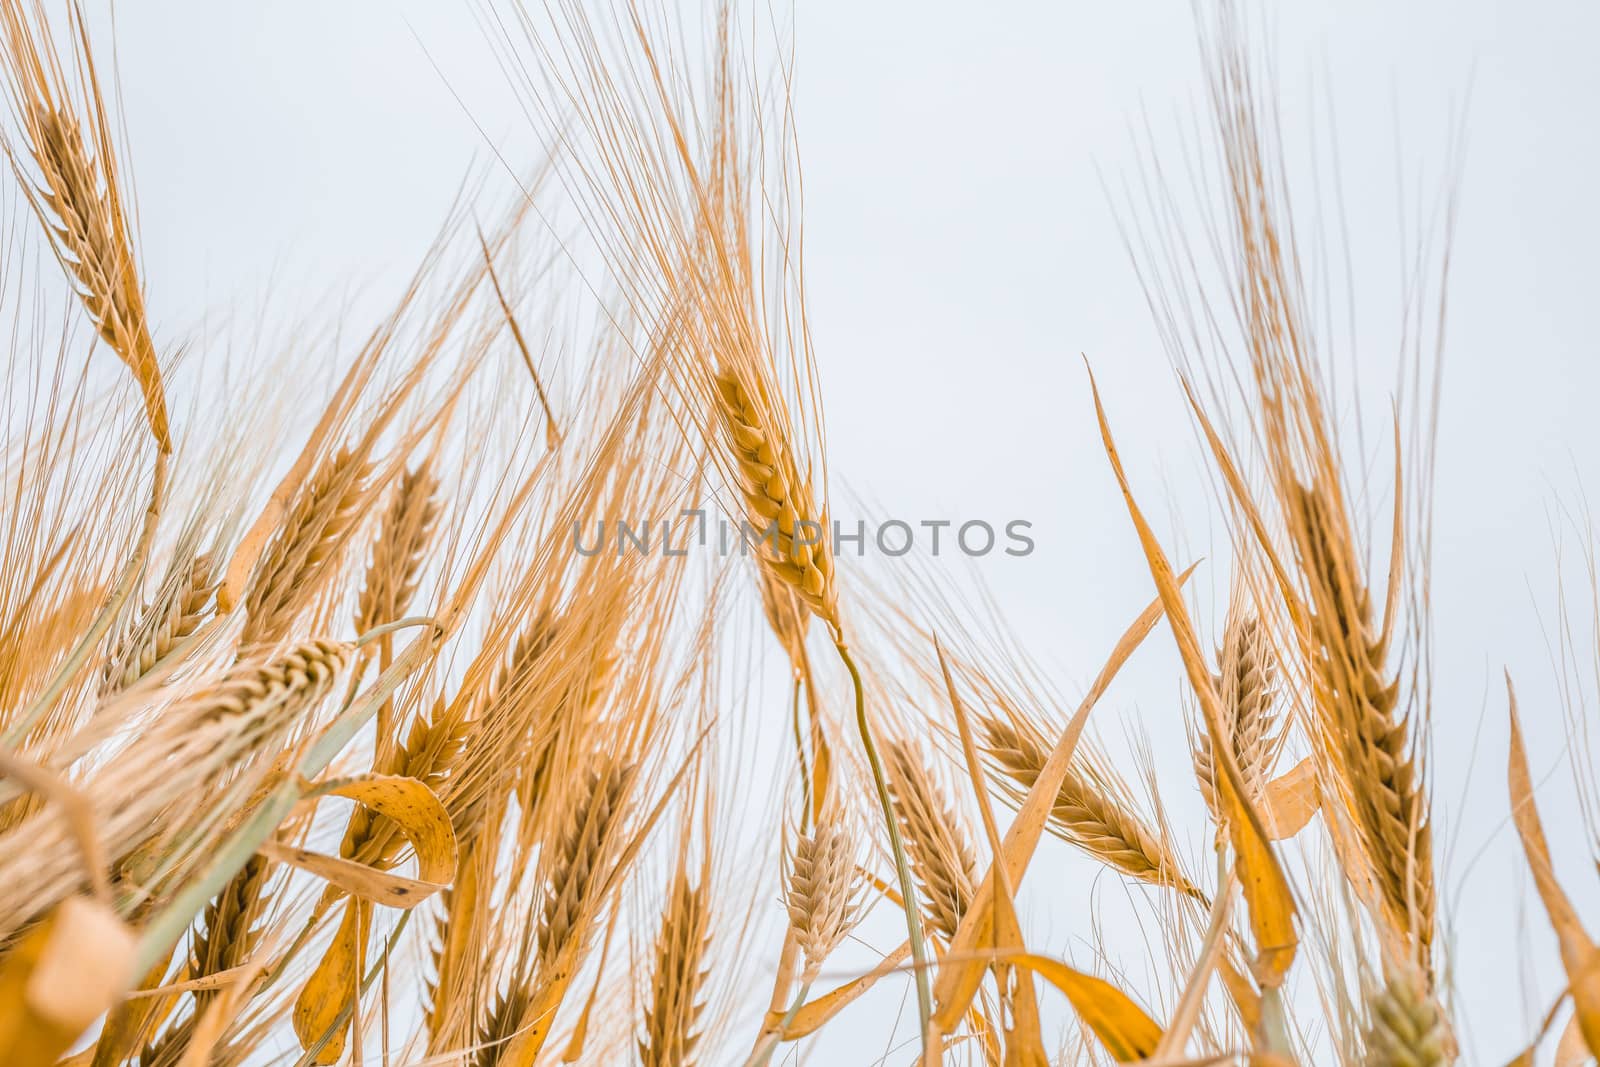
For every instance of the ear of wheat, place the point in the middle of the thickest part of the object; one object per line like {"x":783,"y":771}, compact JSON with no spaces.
{"x":591,"y":733}
{"x":1085,"y":814}
{"x":78,"y":197}
{"x":1245,"y":683}
{"x":178,"y":610}
{"x":309,"y":541}
{"x":823,"y":893}
{"x":941,"y":856}
{"x":671,"y":1019}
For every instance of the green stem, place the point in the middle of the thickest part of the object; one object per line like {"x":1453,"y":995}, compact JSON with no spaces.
{"x":800,"y":754}
{"x":908,"y":893}
{"x":762,"y":1055}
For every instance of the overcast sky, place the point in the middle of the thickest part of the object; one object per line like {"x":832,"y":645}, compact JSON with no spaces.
{"x":962,"y":252}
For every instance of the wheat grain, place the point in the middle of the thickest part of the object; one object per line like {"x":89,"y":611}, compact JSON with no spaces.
{"x":670,"y":1021}
{"x":175,"y":614}
{"x":823,"y":892}
{"x":1084,"y":813}
{"x":936,"y":843}
{"x":308,"y":542}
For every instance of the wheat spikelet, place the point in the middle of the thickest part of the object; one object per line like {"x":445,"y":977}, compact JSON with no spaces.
{"x":308,"y":542}
{"x":576,"y":870}
{"x":395,"y":564}
{"x":1362,"y":728}
{"x":484,"y":714}
{"x":432,"y":748}
{"x":1406,"y":1026}
{"x":228,"y":933}
{"x":789,"y":621}
{"x":1084,"y":813}
{"x":223,"y":939}
{"x":778,"y":499}
{"x":1245,"y":688}
{"x":77,"y":197}
{"x":941,"y":857}
{"x":822,"y":892}
{"x":279,"y":687}
{"x":671,"y":1018}
{"x":171,"y":617}
{"x":500,"y":1025}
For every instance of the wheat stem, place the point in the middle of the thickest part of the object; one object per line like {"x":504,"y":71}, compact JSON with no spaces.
{"x":908,"y":890}
{"x":800,"y":755}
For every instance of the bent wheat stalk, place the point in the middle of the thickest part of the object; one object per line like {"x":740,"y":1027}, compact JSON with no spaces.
{"x":795,"y":551}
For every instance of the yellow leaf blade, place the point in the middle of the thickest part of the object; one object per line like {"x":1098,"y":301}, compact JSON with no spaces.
{"x":1266,"y":889}
{"x":1578,"y":953}
{"x":813,"y":1014}
{"x":1126,"y":1031}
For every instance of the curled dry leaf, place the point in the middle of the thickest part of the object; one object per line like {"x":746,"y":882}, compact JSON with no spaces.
{"x":1290,"y":800}
{"x":418,"y":813}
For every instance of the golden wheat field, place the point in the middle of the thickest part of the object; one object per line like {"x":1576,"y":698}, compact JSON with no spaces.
{"x":504,"y":666}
